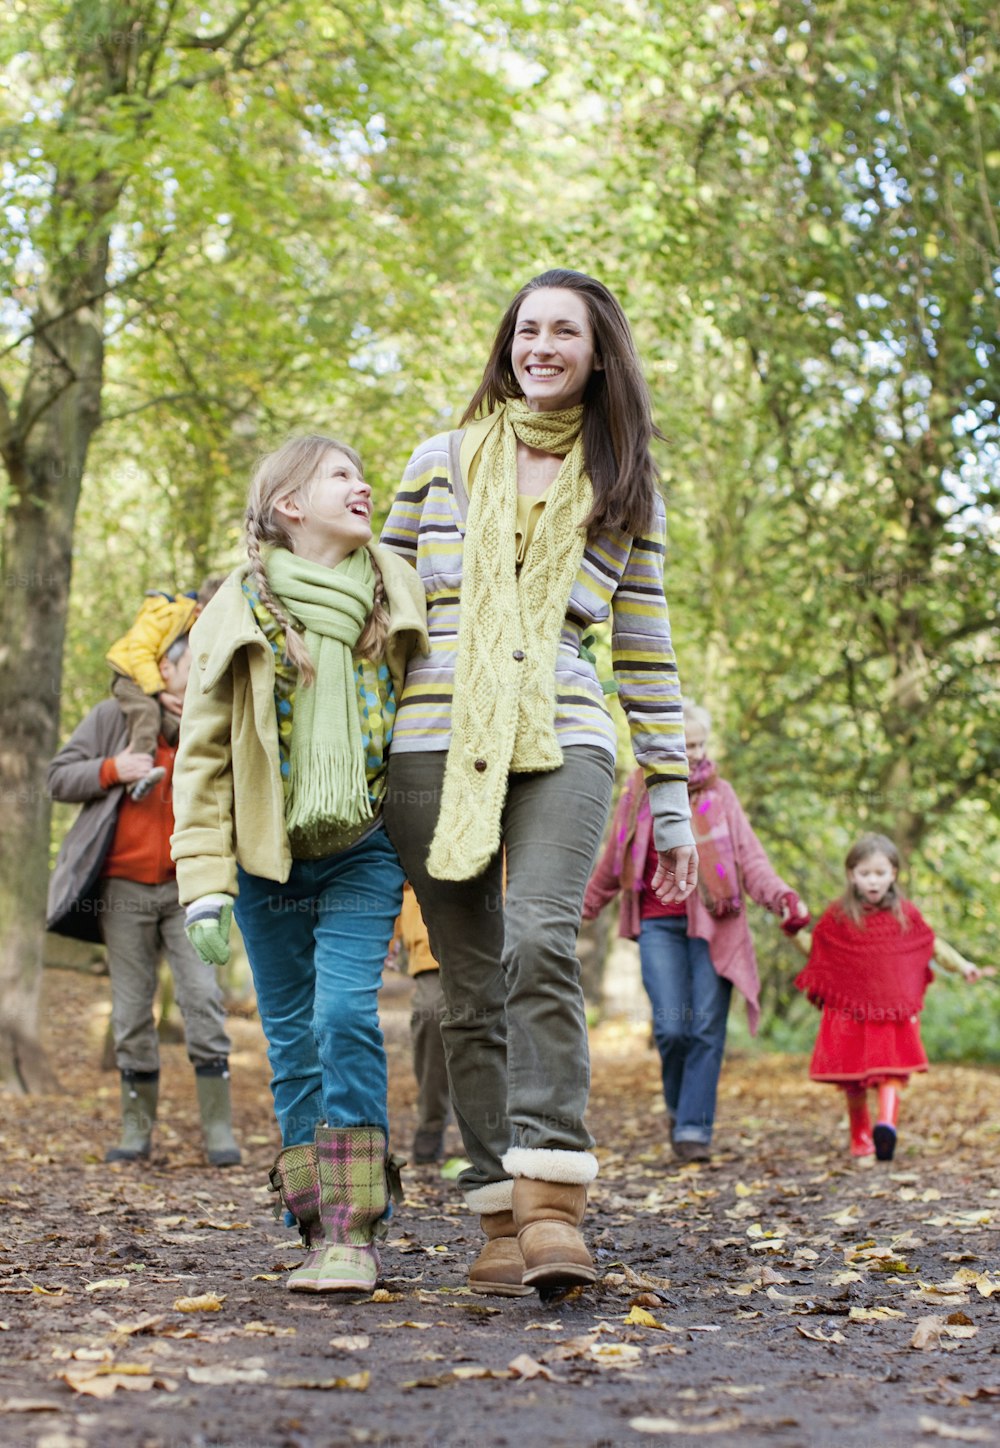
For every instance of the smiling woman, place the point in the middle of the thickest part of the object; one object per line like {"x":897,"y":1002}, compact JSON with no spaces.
{"x":537,"y":519}
{"x":286,"y":730}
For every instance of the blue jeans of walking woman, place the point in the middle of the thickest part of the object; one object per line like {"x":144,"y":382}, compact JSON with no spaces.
{"x":690,"y":1004}
{"x":317,"y":945}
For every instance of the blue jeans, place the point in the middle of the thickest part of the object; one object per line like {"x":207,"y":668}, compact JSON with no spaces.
{"x":317,"y":945}
{"x":690,"y":1005}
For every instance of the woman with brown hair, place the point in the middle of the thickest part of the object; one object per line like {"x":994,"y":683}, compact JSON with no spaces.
{"x":536,"y":519}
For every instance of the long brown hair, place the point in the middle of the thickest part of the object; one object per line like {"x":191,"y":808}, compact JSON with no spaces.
{"x":617,"y":414}
{"x":290,"y":469}
{"x":850,"y":902}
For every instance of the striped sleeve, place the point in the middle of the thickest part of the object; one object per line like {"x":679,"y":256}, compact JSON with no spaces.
{"x":402,"y":527}
{"x":649,"y":689}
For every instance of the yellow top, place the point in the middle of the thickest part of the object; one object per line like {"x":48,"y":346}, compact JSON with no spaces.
{"x":529,"y":510}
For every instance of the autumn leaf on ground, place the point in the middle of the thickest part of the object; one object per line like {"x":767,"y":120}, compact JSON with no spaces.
{"x":820,"y":1336}
{"x":207,"y":1302}
{"x":223,"y":1376}
{"x":683,"y":1425}
{"x":354,"y":1382}
{"x":958,"y":1435}
{"x":525,"y":1366}
{"x":356,"y":1342}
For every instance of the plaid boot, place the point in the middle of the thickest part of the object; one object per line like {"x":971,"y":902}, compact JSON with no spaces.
{"x":295,"y":1177}
{"x":356,"y":1180}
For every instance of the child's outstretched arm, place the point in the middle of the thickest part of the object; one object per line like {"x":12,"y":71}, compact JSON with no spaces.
{"x":951,"y":960}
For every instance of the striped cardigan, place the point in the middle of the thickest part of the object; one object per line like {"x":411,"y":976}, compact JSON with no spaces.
{"x":619,"y":576}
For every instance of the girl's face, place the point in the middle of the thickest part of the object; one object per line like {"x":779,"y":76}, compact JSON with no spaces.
{"x":873,"y":877}
{"x":696,"y":743}
{"x":332,"y":515}
{"x":552,"y":355}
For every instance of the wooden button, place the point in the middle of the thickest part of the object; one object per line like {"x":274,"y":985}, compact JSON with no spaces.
{"x":480,"y":766}
{"x":519,"y":654}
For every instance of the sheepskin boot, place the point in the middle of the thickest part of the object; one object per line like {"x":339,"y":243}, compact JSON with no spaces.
{"x":140,"y":1094}
{"x":860,"y":1123}
{"x":498,"y":1269}
{"x":549,"y":1201}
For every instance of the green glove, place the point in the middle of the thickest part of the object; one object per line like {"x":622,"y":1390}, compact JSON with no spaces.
{"x":207,"y":924}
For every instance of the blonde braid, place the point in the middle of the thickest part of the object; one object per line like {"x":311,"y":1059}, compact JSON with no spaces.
{"x":295,"y":646}
{"x":371,"y":644}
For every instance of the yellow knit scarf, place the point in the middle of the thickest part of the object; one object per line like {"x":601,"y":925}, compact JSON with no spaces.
{"x":504,"y":702}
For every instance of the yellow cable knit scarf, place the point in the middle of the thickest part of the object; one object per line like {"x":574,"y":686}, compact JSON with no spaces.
{"x":503,"y":714}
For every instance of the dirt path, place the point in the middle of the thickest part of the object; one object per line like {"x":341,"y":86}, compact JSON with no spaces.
{"x":778,"y":1296}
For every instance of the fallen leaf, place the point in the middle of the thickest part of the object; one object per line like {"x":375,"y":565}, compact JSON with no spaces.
{"x":524,"y":1366}
{"x":221,"y":1376}
{"x":927,"y":1334}
{"x":959,"y":1435}
{"x":381,"y":1295}
{"x":820,"y":1336}
{"x":614,"y":1354}
{"x":355,"y":1382}
{"x":356,"y":1342}
{"x":108,"y":1283}
{"x":207,"y":1302}
{"x":874,"y":1314}
{"x":686,"y":1426}
{"x":266,"y":1329}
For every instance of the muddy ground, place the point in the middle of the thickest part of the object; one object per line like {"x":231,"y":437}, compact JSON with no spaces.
{"x":781,"y":1295}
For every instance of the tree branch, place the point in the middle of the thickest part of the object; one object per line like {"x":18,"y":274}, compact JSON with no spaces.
{"x":34,"y":333}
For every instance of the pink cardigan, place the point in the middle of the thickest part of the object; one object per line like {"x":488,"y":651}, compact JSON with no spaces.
{"x":730,"y":946}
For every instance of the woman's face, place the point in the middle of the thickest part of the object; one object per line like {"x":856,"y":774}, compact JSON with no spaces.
{"x":552,"y":355}
{"x":696,"y":743}
{"x":872,"y":877}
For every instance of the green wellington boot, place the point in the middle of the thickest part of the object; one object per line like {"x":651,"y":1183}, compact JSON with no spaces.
{"x":140,"y":1093}
{"x":214,"y":1103}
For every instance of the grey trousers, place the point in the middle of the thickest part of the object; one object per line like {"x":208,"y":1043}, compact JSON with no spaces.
{"x":429,"y":1064}
{"x":142,"y":714}
{"x":139,"y":922}
{"x":515,"y":1028}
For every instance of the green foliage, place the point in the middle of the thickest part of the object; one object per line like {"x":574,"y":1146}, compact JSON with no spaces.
{"x":313,"y":215}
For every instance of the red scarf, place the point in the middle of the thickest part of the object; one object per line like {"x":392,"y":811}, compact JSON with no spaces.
{"x":876,"y":970}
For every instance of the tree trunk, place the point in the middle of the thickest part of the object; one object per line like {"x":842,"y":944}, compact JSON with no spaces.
{"x":44,"y":449}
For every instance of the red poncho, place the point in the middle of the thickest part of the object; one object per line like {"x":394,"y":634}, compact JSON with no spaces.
{"x":876,"y":971}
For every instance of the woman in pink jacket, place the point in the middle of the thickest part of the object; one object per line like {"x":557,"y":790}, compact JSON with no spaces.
{"x":692,"y":954}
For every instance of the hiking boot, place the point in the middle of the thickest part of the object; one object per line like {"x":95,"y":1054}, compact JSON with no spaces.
{"x":686,"y":1151}
{"x":428,"y":1147}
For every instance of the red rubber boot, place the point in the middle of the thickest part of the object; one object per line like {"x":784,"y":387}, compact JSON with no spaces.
{"x":884,"y":1134}
{"x":862,"y":1143}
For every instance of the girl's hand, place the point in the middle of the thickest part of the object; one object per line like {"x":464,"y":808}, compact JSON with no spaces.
{"x":676,"y":874}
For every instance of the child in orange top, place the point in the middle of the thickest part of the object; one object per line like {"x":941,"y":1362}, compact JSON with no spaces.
{"x":869,"y":967}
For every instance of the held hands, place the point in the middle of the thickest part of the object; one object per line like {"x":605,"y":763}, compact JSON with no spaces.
{"x":207,"y":923}
{"x":676,"y":874}
{"x":794,"y":914}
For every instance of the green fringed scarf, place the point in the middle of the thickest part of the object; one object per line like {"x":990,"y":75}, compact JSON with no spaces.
{"x":503,"y":713}
{"x":328,"y":780}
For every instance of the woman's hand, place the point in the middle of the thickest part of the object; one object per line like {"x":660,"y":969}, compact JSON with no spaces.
{"x":676,"y":874}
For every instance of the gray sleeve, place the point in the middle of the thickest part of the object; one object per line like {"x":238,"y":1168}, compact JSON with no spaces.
{"x":74,"y":774}
{"x":671,"y":811}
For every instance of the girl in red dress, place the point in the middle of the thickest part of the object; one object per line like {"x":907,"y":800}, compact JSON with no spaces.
{"x":869,"y":966}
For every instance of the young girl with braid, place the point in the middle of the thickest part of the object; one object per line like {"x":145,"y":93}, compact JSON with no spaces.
{"x":298,"y":663}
